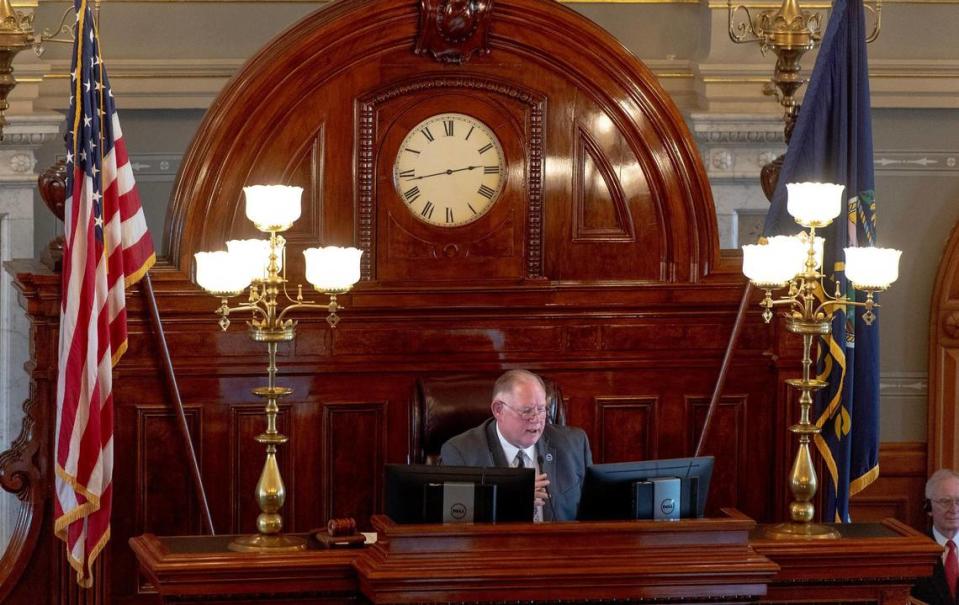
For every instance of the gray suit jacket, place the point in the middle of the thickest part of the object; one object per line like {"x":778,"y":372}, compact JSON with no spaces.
{"x":563,"y":453}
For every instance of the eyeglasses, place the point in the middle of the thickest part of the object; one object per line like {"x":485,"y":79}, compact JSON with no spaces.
{"x":946,"y":502}
{"x":527,"y":413}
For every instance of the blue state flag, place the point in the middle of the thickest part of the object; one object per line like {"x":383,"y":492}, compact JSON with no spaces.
{"x":832,"y":142}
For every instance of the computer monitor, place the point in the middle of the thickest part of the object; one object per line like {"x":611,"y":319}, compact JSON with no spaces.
{"x":422,"y":493}
{"x":609,"y":490}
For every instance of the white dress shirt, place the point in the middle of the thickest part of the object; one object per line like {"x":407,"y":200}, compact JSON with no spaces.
{"x":510,"y":450}
{"x":941,"y":540}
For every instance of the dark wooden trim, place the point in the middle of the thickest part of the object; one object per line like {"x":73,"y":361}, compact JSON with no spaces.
{"x":943,"y":414}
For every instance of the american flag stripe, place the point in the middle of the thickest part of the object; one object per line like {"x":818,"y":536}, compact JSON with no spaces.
{"x":108,"y":247}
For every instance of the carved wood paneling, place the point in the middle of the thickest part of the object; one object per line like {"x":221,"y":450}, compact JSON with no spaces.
{"x":727,"y":441}
{"x":627,"y":428}
{"x":943,"y":418}
{"x":160,"y":472}
{"x":306,"y":170}
{"x":600,"y":208}
{"x":453,"y":31}
{"x":354,"y":451}
{"x":898,"y":492}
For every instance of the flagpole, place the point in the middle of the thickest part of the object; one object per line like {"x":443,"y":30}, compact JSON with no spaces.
{"x":177,"y":401}
{"x":724,"y":368}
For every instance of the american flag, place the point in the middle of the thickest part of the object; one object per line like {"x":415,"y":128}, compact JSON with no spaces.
{"x":107,"y":249}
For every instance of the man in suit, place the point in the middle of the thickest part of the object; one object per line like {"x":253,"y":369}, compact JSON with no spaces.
{"x":518,"y":435}
{"x":942,"y":504}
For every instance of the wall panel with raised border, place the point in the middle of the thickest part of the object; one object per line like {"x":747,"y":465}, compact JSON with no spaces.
{"x":902,"y":476}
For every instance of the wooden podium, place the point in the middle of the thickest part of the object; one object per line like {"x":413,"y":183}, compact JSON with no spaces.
{"x":697,"y":559}
{"x":701,"y":560}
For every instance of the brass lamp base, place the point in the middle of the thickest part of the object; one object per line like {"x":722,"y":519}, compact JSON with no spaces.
{"x":267,"y":543}
{"x":801,"y":531}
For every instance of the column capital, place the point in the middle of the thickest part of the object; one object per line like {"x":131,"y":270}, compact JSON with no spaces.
{"x":22,"y":136}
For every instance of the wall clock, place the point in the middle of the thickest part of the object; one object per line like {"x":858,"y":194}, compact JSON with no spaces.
{"x":449,"y":169}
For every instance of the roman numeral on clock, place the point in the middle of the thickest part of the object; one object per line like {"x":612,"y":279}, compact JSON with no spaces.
{"x":427,"y":211}
{"x":429,"y":135}
{"x":448,"y":127}
{"x":490,"y":169}
{"x":411,"y":195}
{"x":449,"y":214}
{"x":408,"y":174}
{"x":485,"y":148}
{"x":472,"y":128}
{"x":486,"y":192}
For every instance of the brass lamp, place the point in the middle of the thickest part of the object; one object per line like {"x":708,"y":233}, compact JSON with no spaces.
{"x":258,"y":264}
{"x":796,"y":262}
{"x":789,"y":32}
{"x":16,"y":34}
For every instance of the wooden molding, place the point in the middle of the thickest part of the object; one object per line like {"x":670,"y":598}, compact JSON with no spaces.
{"x":943,"y":420}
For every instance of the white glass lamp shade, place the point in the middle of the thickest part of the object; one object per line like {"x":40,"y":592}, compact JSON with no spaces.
{"x":273,"y":207}
{"x":221,"y":273}
{"x":872,"y":268}
{"x":814,"y":204}
{"x":332,"y":269}
{"x":254,"y":255}
{"x":774,"y":264}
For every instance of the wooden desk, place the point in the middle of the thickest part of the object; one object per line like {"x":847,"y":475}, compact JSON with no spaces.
{"x":200,"y":569}
{"x":716,"y":560}
{"x":871,"y":562}
{"x":696,"y":559}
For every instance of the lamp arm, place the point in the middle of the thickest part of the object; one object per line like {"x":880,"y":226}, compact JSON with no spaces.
{"x":62,"y":34}
{"x":256,"y":309}
{"x":869,"y":303}
{"x":794,"y":302}
{"x":877,"y":26}
{"x":741,"y":32}
{"x":304,"y":305}
{"x":299,"y":296}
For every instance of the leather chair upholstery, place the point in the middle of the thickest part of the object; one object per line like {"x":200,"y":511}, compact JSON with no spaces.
{"x":445,"y":406}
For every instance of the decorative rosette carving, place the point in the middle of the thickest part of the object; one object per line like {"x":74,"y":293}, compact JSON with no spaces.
{"x":452,"y":31}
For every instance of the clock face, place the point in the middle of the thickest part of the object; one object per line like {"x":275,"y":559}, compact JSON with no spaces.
{"x":449,"y":170}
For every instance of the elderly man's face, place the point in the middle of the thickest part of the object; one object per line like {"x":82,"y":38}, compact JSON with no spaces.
{"x":945,"y":506}
{"x":521,"y":415}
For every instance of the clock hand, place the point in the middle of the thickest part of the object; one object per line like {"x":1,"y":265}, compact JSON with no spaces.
{"x":448,"y":171}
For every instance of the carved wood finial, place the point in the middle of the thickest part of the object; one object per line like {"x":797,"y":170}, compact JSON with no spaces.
{"x":53,"y":190}
{"x":452,"y":31}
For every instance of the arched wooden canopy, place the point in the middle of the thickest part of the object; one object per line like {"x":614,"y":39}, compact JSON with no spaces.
{"x":610,"y":164}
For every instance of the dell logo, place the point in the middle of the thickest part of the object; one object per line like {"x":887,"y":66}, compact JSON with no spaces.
{"x":458,"y":510}
{"x":668,"y":505}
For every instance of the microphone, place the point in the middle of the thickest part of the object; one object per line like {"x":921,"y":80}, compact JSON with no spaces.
{"x":549,"y":497}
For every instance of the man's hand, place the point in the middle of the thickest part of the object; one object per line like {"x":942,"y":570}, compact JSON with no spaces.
{"x":540,"y":494}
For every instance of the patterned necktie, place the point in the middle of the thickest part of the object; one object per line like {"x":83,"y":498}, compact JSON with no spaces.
{"x":952,"y":567}
{"x":520,"y":460}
